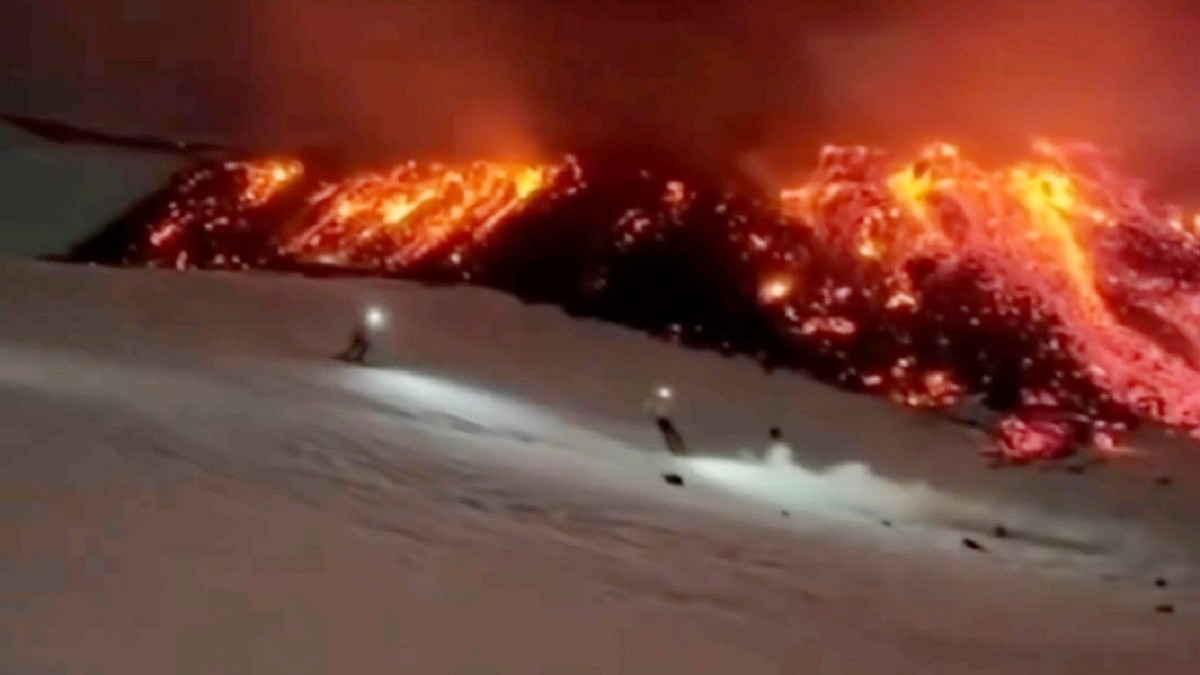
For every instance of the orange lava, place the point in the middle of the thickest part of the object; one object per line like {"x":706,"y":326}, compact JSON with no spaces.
{"x":198,"y":208}
{"x":394,"y":219}
{"x":265,"y":179}
{"x":1036,"y":229}
{"x":1053,"y":281}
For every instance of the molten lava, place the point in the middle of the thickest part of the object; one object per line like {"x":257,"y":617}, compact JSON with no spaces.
{"x":1041,"y":242}
{"x":1051,"y":289}
{"x":210,"y":204}
{"x":389,"y":221}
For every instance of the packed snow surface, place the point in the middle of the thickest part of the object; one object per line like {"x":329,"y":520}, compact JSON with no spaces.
{"x":192,"y":484}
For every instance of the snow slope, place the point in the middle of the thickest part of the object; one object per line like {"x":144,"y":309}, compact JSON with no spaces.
{"x":192,"y":485}
{"x":54,"y":195}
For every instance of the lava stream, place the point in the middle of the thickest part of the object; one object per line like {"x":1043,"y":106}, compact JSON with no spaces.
{"x":1053,"y":289}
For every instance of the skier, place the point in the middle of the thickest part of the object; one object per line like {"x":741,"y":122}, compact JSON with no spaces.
{"x":778,"y":453}
{"x":360,"y":342}
{"x":356,"y":352}
{"x":660,"y":405}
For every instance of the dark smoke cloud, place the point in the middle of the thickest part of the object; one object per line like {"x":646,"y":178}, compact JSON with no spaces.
{"x":993,"y":74}
{"x":457,"y":76}
{"x":765,"y":81}
{"x":127,"y":65}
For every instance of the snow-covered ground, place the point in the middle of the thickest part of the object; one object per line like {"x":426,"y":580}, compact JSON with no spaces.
{"x":190,"y":484}
{"x":54,"y":196}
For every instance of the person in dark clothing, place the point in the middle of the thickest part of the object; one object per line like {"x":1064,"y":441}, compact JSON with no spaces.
{"x":778,"y":453}
{"x":360,"y":342}
{"x":671,"y":436}
{"x":356,"y":352}
{"x":660,"y":405}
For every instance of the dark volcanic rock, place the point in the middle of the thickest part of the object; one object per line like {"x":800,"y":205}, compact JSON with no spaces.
{"x":973,"y":545}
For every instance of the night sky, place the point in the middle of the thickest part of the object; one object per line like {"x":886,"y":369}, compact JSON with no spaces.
{"x":761,"y":82}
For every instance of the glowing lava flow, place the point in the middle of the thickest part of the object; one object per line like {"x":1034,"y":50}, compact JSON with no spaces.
{"x":1051,"y":289}
{"x":211,"y":203}
{"x":390,"y":221}
{"x":1032,"y":236}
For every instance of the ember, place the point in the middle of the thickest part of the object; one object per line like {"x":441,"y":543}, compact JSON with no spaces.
{"x":1055,"y":292}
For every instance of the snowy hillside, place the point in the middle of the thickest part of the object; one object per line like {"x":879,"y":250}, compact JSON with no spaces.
{"x":194,"y":486}
{"x":56,"y":195}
